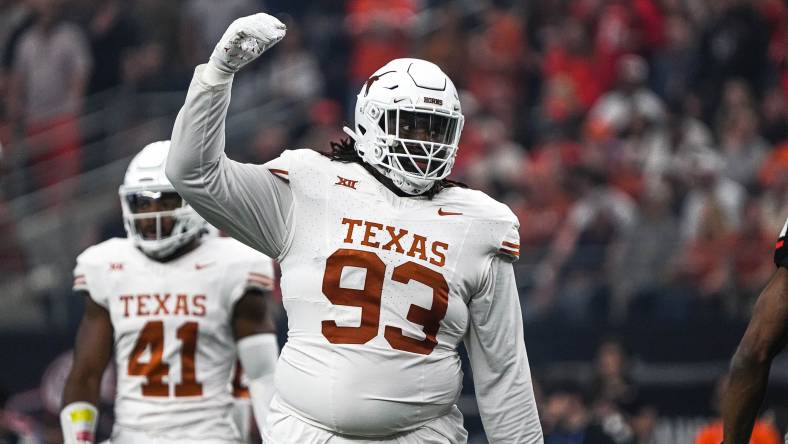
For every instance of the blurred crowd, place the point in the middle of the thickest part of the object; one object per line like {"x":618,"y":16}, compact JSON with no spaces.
{"x":642,"y":143}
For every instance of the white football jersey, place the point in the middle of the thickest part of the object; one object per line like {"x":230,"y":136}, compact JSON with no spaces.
{"x":376,"y":289}
{"x":174,"y":346}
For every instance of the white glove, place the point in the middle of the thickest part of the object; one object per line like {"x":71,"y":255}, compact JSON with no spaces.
{"x":245,"y":39}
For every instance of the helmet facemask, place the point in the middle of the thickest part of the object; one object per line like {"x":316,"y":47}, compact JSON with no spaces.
{"x":414,"y":146}
{"x":158,"y":221}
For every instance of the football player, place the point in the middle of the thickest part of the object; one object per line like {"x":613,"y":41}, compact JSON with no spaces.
{"x":386,"y":265}
{"x":765,"y":337}
{"x":177,"y":307}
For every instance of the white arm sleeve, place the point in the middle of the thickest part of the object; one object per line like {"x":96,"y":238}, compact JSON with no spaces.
{"x":245,"y":200}
{"x":496,"y":349}
{"x":258,"y":355}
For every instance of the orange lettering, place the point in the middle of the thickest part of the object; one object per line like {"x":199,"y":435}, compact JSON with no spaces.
{"x":162,"y":307}
{"x":182,"y":305}
{"x":125,"y":298}
{"x":440,"y":254}
{"x":395,"y":238}
{"x":351,"y":224}
{"x":368,"y":234}
{"x":418,"y":246}
{"x":141,"y":298}
{"x":197,"y":301}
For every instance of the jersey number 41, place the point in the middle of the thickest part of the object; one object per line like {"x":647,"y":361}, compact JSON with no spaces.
{"x":154,"y":371}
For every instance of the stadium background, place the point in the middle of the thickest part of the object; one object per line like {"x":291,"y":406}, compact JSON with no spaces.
{"x":642,"y":143}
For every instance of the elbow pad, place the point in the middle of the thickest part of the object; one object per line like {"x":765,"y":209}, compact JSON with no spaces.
{"x":78,"y":421}
{"x":781,"y":250}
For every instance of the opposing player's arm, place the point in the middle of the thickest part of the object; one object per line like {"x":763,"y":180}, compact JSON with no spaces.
{"x":258,"y":350}
{"x":247,"y":201}
{"x":496,"y":349}
{"x":765,"y":337}
{"x":92,"y":352}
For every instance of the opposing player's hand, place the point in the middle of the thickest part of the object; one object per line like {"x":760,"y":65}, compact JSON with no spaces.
{"x":245,"y":39}
{"x":781,"y":250}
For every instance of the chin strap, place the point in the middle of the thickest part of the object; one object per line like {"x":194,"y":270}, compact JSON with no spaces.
{"x":350,"y":133}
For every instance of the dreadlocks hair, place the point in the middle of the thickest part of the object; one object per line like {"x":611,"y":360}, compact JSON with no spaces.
{"x":345,"y":151}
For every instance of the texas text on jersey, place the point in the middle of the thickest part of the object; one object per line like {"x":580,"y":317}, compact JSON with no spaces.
{"x":174,"y":349}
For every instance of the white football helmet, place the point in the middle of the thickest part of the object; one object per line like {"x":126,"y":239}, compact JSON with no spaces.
{"x":155,"y":216}
{"x":408,"y":123}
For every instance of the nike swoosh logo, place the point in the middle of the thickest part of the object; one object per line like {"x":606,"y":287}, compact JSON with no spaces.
{"x":399,"y":100}
{"x":447,"y":213}
{"x":201,"y":266}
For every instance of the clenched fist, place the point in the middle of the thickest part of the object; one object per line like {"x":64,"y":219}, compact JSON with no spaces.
{"x":245,"y":39}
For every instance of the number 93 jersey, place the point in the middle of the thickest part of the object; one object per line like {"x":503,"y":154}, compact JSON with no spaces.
{"x":174,"y":344}
{"x":376,"y":288}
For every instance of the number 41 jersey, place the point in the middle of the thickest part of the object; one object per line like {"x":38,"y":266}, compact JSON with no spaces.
{"x":174,"y":345}
{"x":376,"y":289}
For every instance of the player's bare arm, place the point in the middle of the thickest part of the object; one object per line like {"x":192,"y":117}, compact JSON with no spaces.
{"x":92,"y":352}
{"x":764,"y":338}
{"x":258,"y":350}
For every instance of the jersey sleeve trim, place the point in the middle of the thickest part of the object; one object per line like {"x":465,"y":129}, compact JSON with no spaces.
{"x":80,"y":283}
{"x":260,"y":281}
{"x":510,"y":249}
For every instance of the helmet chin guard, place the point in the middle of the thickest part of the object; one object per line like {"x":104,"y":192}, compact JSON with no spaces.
{"x":157,"y":220}
{"x":408,"y":124}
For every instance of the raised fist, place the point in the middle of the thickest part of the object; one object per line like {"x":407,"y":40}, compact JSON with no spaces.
{"x":781,"y":250}
{"x":245,"y":39}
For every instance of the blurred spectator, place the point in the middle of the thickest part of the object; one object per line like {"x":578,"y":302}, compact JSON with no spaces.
{"x":294,"y":71}
{"x":379,"y":32}
{"x":161,"y":62}
{"x":644,"y":424}
{"x":642,"y":269}
{"x":576,"y":270}
{"x":774,"y":109}
{"x":742,"y":147}
{"x":113,"y":33}
{"x":710,"y":188}
{"x":567,"y":419}
{"x":12,"y":256}
{"x":668,"y":150}
{"x":206,"y":21}
{"x":568,"y":59}
{"x":495,"y":72}
{"x":629,"y":103}
{"x":14,"y":16}
{"x":612,"y":382}
{"x":51,"y":70}
{"x":734,"y":44}
{"x":324,"y":126}
{"x":702,"y":269}
{"x":675,"y":62}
